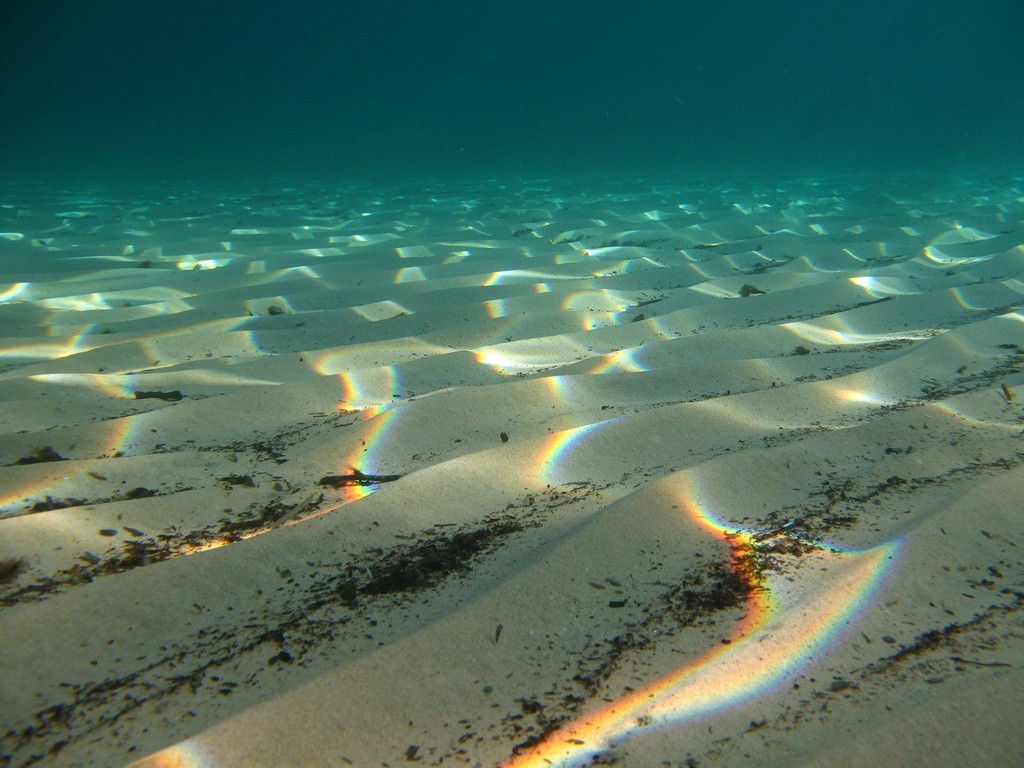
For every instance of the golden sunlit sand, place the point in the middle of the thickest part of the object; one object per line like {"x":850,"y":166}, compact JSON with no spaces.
{"x":550,"y":475}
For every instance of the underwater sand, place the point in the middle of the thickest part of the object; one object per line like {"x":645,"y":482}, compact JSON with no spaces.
{"x":522,"y":474}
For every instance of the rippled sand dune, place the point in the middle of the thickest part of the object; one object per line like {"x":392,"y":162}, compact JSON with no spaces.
{"x":522,"y":474}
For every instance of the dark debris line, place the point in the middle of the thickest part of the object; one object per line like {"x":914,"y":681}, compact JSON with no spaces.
{"x":295,"y":630}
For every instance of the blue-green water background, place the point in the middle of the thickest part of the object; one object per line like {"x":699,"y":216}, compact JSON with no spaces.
{"x":119,"y":89}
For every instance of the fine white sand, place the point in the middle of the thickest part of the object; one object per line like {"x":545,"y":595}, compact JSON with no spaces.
{"x":634,"y":474}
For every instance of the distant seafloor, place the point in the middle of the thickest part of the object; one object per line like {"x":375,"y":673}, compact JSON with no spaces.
{"x":520,"y":473}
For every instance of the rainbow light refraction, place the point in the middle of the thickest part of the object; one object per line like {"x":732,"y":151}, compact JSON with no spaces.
{"x":184,"y":755}
{"x":364,"y":456}
{"x":552,"y":463}
{"x":785,"y":624}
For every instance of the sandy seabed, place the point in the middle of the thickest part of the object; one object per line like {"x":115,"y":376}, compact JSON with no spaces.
{"x":522,"y":474}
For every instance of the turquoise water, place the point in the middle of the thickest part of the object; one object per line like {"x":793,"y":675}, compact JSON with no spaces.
{"x":128,"y":90}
